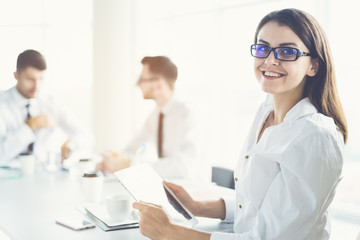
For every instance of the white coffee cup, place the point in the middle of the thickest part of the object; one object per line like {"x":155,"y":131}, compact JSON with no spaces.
{"x":119,"y":207}
{"x":86,"y":165}
{"x":27,"y":164}
{"x":92,"y":185}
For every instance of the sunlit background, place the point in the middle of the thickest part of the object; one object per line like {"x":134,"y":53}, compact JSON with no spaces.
{"x":93,"y":50}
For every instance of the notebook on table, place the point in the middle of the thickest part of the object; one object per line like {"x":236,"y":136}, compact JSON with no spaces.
{"x":98,"y":213}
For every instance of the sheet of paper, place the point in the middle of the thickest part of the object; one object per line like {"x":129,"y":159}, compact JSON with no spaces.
{"x":100,"y":211}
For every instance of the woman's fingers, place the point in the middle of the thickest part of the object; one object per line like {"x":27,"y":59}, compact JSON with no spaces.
{"x":141,"y":205}
{"x":153,"y":205}
{"x":170,"y":184}
{"x":153,"y":219}
{"x":138,"y":205}
{"x":174,"y":187}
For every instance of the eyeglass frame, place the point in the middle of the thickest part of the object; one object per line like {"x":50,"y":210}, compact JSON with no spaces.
{"x":150,"y":79}
{"x":299,"y":52}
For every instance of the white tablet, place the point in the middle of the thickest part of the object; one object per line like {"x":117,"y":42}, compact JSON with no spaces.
{"x":143,"y":183}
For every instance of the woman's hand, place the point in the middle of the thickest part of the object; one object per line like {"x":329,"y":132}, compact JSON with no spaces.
{"x":154,"y":222}
{"x":210,"y":209}
{"x":184,"y":197}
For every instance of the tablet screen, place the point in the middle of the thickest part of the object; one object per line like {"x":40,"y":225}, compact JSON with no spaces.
{"x":143,"y":183}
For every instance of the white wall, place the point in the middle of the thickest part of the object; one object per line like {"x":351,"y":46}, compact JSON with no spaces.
{"x":112,"y":73}
{"x":61,"y":31}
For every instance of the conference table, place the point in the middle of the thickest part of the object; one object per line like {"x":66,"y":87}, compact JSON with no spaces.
{"x":29,"y":206}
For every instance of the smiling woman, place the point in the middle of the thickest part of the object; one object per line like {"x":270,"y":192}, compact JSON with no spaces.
{"x":285,"y":79}
{"x":291,"y":163}
{"x":319,"y":81}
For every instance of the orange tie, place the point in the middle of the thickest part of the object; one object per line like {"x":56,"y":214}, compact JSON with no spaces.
{"x":160,"y":135}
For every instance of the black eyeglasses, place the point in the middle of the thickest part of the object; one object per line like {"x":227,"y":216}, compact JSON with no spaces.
{"x":280,"y":53}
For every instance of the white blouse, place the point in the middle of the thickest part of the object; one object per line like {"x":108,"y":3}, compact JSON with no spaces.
{"x":286,"y":182}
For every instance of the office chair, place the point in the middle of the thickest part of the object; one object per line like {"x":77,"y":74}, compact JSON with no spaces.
{"x":223,"y":177}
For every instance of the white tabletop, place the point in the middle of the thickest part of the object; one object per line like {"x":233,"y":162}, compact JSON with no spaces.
{"x":30,"y":205}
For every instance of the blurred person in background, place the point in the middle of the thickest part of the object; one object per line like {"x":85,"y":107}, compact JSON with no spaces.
{"x":30,"y":118}
{"x":169,"y":128}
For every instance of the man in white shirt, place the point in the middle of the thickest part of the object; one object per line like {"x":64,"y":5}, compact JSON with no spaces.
{"x":29,"y":120}
{"x":170,"y":127}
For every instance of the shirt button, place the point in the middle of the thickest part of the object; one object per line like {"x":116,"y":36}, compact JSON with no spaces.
{"x":246,"y":156}
{"x":236,"y":179}
{"x":240,"y":206}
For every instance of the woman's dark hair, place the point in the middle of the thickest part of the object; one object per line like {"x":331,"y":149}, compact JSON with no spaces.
{"x":321,"y":88}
